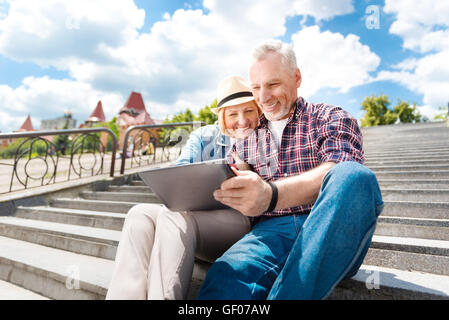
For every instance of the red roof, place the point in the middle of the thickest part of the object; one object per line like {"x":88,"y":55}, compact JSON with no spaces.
{"x":135,"y":103}
{"x":98,"y":114}
{"x":134,"y":111}
{"x":27,"y":125}
{"x":126,"y":119}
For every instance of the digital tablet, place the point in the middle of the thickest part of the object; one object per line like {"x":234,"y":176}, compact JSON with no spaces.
{"x":189,"y":187}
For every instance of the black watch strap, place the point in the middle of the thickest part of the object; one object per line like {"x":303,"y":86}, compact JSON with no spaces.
{"x":274,"y":197}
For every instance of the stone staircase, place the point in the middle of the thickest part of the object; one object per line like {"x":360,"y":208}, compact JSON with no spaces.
{"x":63,"y":245}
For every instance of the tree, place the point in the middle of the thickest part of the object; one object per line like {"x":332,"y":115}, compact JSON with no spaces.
{"x":207,"y":115}
{"x":443,"y":115}
{"x":406,"y":113}
{"x":62,"y":142}
{"x":377,"y":111}
{"x":114,"y":128}
{"x":186,"y":116}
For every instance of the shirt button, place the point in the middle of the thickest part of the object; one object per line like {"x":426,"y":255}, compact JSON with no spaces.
{"x":285,"y":174}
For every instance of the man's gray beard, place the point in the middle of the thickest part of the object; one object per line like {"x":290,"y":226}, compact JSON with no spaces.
{"x":278,"y":116}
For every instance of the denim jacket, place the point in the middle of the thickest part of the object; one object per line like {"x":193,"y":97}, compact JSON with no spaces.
{"x":205,"y":143}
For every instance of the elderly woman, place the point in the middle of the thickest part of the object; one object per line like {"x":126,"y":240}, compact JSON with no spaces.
{"x":156,"y":253}
{"x":237,"y":118}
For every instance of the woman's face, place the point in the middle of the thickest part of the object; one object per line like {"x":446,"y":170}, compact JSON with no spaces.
{"x":241,"y":120}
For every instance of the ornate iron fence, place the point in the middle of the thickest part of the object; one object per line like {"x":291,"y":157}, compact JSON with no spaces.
{"x":38,"y":158}
{"x":151,"y":144}
{"x":41,"y":158}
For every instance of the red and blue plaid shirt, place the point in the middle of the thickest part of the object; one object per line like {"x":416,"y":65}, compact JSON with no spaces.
{"x":314,"y":134}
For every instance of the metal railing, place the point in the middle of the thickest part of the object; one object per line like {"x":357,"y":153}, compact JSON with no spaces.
{"x":47,"y":157}
{"x":38,"y":158}
{"x":148,"y":145}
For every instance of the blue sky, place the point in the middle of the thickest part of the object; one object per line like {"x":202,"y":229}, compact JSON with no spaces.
{"x":64,"y":55}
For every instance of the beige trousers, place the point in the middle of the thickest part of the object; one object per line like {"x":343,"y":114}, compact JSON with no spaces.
{"x":157,"y":249}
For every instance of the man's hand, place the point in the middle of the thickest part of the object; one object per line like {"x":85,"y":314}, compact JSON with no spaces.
{"x":247,"y":193}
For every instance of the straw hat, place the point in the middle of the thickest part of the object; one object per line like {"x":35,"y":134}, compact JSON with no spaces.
{"x":232,"y":91}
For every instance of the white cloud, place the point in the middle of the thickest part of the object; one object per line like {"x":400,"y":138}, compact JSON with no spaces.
{"x":421,"y":24}
{"x":57,"y":33}
{"x":46,"y":98}
{"x":177,"y":64}
{"x":3,"y":8}
{"x":424,"y":28}
{"x":332,"y":60}
{"x":429,"y":112}
{"x":323,"y":10}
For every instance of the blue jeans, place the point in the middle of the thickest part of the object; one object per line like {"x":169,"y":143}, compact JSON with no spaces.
{"x":303,"y":256}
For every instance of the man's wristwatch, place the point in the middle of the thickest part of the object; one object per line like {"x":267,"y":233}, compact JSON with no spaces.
{"x":274,"y":197}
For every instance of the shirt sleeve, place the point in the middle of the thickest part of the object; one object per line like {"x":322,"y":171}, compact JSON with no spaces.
{"x":192,"y":151}
{"x":339,"y":137}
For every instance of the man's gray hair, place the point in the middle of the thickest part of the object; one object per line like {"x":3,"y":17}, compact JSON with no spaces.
{"x":284,"y":49}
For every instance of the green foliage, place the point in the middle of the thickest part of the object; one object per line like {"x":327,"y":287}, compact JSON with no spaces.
{"x":377,"y":111}
{"x":178,"y":134}
{"x":174,"y":135}
{"x":443,"y":115}
{"x":38,"y":148}
{"x":207,"y":115}
{"x":406,"y":113}
{"x":62,"y":142}
{"x":111,"y":125}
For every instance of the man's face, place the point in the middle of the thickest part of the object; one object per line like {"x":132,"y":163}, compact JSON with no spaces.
{"x":274,"y":87}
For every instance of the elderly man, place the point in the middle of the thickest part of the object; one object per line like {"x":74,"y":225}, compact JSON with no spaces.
{"x":313,"y":204}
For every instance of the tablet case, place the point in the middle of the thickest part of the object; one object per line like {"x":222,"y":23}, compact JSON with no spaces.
{"x":188,"y":187}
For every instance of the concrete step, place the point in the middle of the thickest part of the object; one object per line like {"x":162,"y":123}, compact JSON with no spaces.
{"x":372,"y":282}
{"x":93,"y":205}
{"x":433,"y":229}
{"x":414,"y":183}
{"x":53,"y":273}
{"x":431,"y":256}
{"x":95,"y":219}
{"x":128,"y":188}
{"x":415,"y":157}
{"x":416,"y":209}
{"x":137,"y":183}
{"x":95,"y":242}
{"x":407,"y":162}
{"x":414,"y":245}
{"x":430,"y":195}
{"x":416,"y":174}
{"x":404,"y":153}
{"x":383,"y":168}
{"x":121,"y":196}
{"x":410,"y":147}
{"x":9,"y":291}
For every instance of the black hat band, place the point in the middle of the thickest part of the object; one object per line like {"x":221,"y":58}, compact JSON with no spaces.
{"x":235,"y":96}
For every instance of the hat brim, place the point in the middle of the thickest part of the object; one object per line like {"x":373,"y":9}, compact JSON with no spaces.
{"x":233,"y":102}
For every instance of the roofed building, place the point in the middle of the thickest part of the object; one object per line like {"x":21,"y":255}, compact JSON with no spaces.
{"x":59,"y":123}
{"x":27,"y":125}
{"x":96,"y":116}
{"x":133,"y":113}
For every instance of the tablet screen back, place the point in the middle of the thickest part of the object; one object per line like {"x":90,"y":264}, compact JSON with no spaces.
{"x":188,"y":187}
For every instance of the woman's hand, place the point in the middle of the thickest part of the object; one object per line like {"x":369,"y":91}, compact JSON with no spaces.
{"x":239,"y":163}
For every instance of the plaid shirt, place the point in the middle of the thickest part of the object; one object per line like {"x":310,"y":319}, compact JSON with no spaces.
{"x":314,"y":134}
